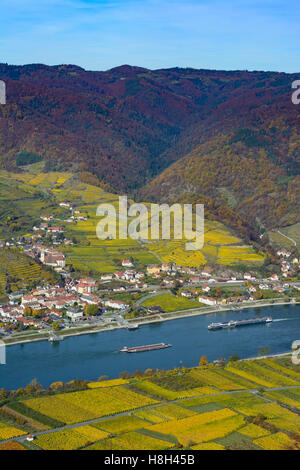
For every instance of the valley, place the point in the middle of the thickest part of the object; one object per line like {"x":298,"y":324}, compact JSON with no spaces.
{"x":231,"y":138}
{"x":58,"y":276}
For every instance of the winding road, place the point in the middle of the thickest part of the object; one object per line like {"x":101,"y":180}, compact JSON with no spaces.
{"x":293,"y":241}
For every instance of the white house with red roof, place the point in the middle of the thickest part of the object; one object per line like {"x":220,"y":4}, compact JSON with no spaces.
{"x":118,"y":304}
{"x":54,"y":230}
{"x":27,"y":299}
{"x":119,"y":275}
{"x":86,"y":286}
{"x":207,"y":300}
{"x":284,"y":253}
{"x":65,"y":204}
{"x":126,"y":263}
{"x":206,"y":272}
{"x":195,"y":279}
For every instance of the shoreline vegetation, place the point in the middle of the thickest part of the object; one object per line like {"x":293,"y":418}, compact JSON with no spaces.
{"x":176,"y":315}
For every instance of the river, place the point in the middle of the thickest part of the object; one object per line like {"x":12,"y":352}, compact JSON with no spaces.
{"x":92,"y":355}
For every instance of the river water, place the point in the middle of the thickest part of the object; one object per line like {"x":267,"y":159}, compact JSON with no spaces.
{"x":92,"y":355}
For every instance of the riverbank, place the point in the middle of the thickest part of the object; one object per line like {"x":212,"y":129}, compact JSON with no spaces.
{"x":40,"y":336}
{"x":89,"y":356}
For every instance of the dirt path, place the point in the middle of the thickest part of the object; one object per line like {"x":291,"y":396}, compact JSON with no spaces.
{"x":293,"y":241}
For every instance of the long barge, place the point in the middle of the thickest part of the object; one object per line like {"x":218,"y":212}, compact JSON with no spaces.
{"x":149,"y":347}
{"x":238,"y":323}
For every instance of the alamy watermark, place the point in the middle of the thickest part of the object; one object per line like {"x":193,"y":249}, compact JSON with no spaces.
{"x":2,"y":353}
{"x":296,"y":94}
{"x":138,"y":223}
{"x":296,"y":352}
{"x":2,"y":92}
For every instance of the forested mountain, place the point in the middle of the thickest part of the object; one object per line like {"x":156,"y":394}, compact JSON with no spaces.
{"x":233,"y":137}
{"x":245,"y":176}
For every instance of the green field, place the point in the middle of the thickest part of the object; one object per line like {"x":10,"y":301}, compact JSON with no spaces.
{"x":288,"y":236}
{"x":170,"y":303}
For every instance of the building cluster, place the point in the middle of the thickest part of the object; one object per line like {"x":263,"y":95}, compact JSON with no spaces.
{"x":70,"y":301}
{"x":289,"y":266}
{"x":47,"y":300}
{"x":167,"y":272}
{"x":44,"y":305}
{"x":47,"y":229}
{"x":55,"y":232}
{"x":170,"y":269}
{"x":75,"y":214}
{"x":228,"y":300}
{"x":47,"y":256}
{"x":129,"y":275}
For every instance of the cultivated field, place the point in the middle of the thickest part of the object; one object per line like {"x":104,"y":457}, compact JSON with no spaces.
{"x":220,"y":246}
{"x":203,"y":408}
{"x":7,"y":432}
{"x":18,"y":270}
{"x":170,"y":303}
{"x":26,"y":196}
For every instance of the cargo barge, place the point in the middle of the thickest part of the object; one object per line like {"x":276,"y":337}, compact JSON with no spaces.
{"x":149,"y":347}
{"x":238,"y":323}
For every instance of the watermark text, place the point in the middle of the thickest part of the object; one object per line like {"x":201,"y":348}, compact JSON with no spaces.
{"x":2,"y":92}
{"x":2,"y":353}
{"x":162,"y":222}
{"x":296,"y":94}
{"x":296,"y":352}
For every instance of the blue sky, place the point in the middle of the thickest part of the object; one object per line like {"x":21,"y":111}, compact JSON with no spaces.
{"x":101,"y":34}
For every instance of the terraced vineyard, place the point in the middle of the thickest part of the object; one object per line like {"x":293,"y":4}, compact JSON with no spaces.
{"x":49,"y":180}
{"x":220,"y":246}
{"x":102,"y":255}
{"x":204,"y":408}
{"x":39,"y":193}
{"x":18,"y":270}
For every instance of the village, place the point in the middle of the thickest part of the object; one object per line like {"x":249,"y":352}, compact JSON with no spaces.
{"x":120,"y":295}
{"x":88,"y":301}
